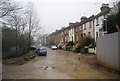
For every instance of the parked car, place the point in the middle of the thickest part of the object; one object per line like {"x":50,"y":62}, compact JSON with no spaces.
{"x":35,"y":47}
{"x":38,"y":48}
{"x":54,"y":47}
{"x":32,"y":48}
{"x":42,"y":51}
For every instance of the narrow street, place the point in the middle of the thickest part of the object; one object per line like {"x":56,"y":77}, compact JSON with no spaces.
{"x":58,"y":64}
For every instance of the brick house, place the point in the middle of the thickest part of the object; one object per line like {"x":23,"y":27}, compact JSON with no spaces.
{"x":88,"y":26}
{"x":59,"y":37}
{"x":78,"y":32}
{"x":43,"y":39}
{"x":64,"y":35}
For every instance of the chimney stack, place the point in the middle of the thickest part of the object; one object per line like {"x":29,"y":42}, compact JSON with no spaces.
{"x":71,"y":24}
{"x":104,"y":7}
{"x":83,"y":18}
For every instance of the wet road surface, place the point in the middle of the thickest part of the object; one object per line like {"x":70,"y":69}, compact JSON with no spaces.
{"x":58,"y":64}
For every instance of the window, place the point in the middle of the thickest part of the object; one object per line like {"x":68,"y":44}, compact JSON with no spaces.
{"x":84,"y":34}
{"x":104,"y":16}
{"x":67,"y":31}
{"x":64,"y":32}
{"x":62,"y":40}
{"x":96,"y":34}
{"x":97,"y":22}
{"x":77,"y":38}
{"x":90,"y":24}
{"x":72,"y":38}
{"x":84,"y":26}
{"x":68,"y":39}
{"x":76,"y":29}
{"x":81,"y":35}
{"x":89,"y":33}
{"x":80,"y":28}
{"x":61,"y":33}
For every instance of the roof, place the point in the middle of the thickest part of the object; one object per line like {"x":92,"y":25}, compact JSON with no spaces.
{"x":73,"y":25}
{"x":103,"y":13}
{"x":88,"y":19}
{"x":82,"y":22}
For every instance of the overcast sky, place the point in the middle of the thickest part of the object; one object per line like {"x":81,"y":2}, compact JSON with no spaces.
{"x":55,"y":14}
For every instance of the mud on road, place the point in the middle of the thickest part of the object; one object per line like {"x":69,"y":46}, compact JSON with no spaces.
{"x":59,"y":64}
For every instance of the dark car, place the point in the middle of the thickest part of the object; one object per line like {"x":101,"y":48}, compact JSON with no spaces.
{"x":32,"y":48}
{"x":42,"y":51}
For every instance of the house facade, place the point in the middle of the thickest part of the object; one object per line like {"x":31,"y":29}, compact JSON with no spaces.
{"x":78,"y":33}
{"x":65,"y":35}
{"x":88,"y":26}
{"x":71,"y":32}
{"x":43,"y":39}
{"x":91,"y":26}
{"x":59,"y":37}
{"x":99,"y":19}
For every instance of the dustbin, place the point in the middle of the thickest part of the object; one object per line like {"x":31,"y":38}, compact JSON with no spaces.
{"x":77,"y":50}
{"x":85,"y":50}
{"x":67,"y":48}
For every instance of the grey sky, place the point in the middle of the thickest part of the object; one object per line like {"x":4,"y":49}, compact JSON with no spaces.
{"x":55,"y":14}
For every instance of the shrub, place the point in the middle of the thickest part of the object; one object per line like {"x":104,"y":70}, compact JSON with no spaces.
{"x":14,"y":44}
{"x":69,"y":46}
{"x":71,"y":43}
{"x":86,"y":41}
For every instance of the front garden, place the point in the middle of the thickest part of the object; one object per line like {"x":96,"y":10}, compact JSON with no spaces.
{"x":85,"y":45}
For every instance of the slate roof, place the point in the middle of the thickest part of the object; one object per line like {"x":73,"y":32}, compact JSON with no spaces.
{"x":103,"y":13}
{"x":81,"y":22}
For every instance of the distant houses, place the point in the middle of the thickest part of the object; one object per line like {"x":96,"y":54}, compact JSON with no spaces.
{"x":91,"y":26}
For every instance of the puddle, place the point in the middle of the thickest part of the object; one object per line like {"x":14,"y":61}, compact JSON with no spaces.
{"x":48,"y":68}
{"x":74,"y":69}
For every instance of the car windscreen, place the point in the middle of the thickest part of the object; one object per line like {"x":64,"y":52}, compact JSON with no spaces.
{"x":42,"y":49}
{"x":54,"y":46}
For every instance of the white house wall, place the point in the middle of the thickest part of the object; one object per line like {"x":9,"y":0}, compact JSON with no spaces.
{"x":97,"y":27}
{"x":72,"y":34}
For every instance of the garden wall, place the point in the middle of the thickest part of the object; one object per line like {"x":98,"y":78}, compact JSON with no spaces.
{"x":108,"y":50}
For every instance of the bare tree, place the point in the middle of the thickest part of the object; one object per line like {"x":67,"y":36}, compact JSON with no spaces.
{"x":33,"y":21}
{"x":14,"y":19}
{"x":6,"y":7}
{"x":22,"y":20}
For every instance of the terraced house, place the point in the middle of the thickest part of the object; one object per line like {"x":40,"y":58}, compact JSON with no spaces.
{"x":64,"y":35}
{"x":71,"y":32}
{"x":78,"y":32}
{"x":99,"y":19}
{"x":91,"y":26}
{"x":88,"y":26}
{"x":56,"y":38}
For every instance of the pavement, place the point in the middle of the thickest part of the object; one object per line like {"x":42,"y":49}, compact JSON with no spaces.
{"x":58,"y":64}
